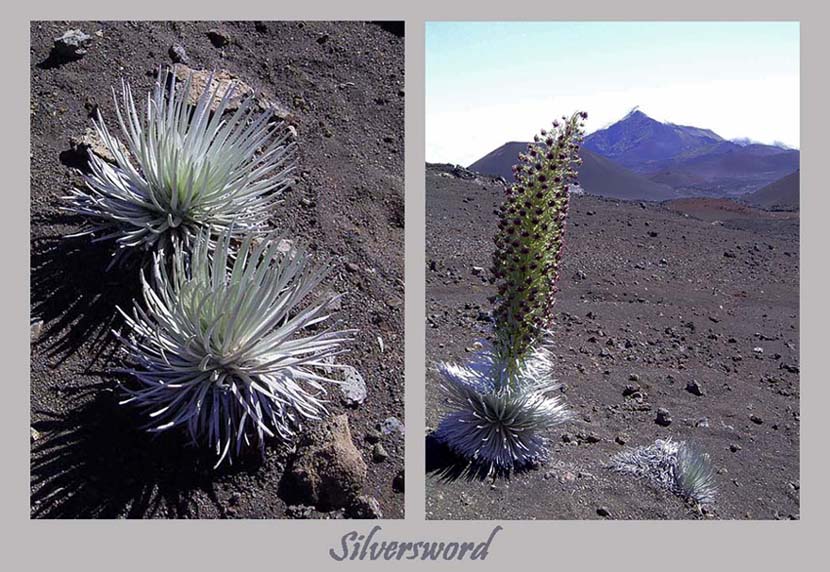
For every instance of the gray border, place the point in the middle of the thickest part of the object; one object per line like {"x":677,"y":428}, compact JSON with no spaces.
{"x":211,"y":545}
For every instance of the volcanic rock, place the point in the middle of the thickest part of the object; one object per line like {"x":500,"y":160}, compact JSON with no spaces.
{"x":72,"y":44}
{"x":328,"y":471}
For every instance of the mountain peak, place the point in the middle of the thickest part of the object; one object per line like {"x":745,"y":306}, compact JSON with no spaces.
{"x":640,"y":142}
{"x":634,"y":112}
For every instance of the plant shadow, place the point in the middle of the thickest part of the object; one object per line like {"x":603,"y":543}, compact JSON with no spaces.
{"x":96,"y":462}
{"x":56,"y":59}
{"x":75,"y":296}
{"x":445,"y":465}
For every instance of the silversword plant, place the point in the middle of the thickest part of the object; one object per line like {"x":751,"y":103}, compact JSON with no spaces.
{"x":179,"y":169}
{"x":505,"y":397}
{"x":674,"y":466}
{"x":223,"y":344}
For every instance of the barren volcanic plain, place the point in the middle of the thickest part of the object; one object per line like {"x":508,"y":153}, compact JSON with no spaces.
{"x":689,"y":306}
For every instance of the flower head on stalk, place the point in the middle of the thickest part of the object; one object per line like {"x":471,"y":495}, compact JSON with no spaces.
{"x":530,"y":239}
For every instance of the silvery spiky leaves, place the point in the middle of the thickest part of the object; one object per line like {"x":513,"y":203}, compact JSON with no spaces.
{"x":181,"y":168}
{"x":227,"y":346}
{"x":530,"y":238}
{"x":495,"y":424}
{"x":674,"y":466}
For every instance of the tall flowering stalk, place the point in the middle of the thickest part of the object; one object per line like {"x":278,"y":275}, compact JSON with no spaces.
{"x":503,"y":398}
{"x":530,"y":240}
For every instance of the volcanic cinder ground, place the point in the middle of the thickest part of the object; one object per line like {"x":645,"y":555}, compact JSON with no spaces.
{"x":654,"y":297}
{"x":344,"y":86}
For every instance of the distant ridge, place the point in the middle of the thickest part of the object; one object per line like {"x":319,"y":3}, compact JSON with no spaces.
{"x":693,"y":160}
{"x":637,"y":140}
{"x":640,"y":158}
{"x":597,"y":175}
{"x":782,"y":194}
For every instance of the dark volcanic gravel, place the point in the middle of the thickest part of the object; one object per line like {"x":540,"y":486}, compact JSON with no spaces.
{"x":652,"y":314}
{"x":344,"y":86}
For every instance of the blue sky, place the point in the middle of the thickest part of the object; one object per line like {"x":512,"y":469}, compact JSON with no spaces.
{"x":492,"y":82}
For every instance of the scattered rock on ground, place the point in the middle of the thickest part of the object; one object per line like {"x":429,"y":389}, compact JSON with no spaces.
{"x":222,"y":81}
{"x":398,"y":483}
{"x":218,"y":38}
{"x":631,"y":390}
{"x":463,"y":173}
{"x":379,"y":453}
{"x":36,"y":328}
{"x":392,"y":425}
{"x":364,"y":507}
{"x":336,"y":300}
{"x":372,"y":436}
{"x":328,"y":470}
{"x":178,"y":54}
{"x":90,"y":142}
{"x":353,"y":387}
{"x":72,"y":44}
{"x":694,"y":388}
{"x":299,"y":511}
{"x":663,"y":417}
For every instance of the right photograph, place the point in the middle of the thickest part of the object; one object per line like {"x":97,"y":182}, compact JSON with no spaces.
{"x":612,"y":270}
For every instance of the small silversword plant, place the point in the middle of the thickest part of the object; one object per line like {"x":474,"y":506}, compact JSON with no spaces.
{"x":505,"y":397}
{"x":181,"y":168}
{"x":227,"y":345}
{"x":674,"y":466}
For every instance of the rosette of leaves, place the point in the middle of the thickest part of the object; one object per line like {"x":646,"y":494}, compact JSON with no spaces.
{"x":228,"y":344}
{"x":180,"y":168}
{"x":494,"y":424}
{"x":503,"y":399}
{"x":677,"y":467}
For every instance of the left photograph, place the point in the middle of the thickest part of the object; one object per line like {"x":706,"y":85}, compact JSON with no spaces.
{"x":217,"y":269}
